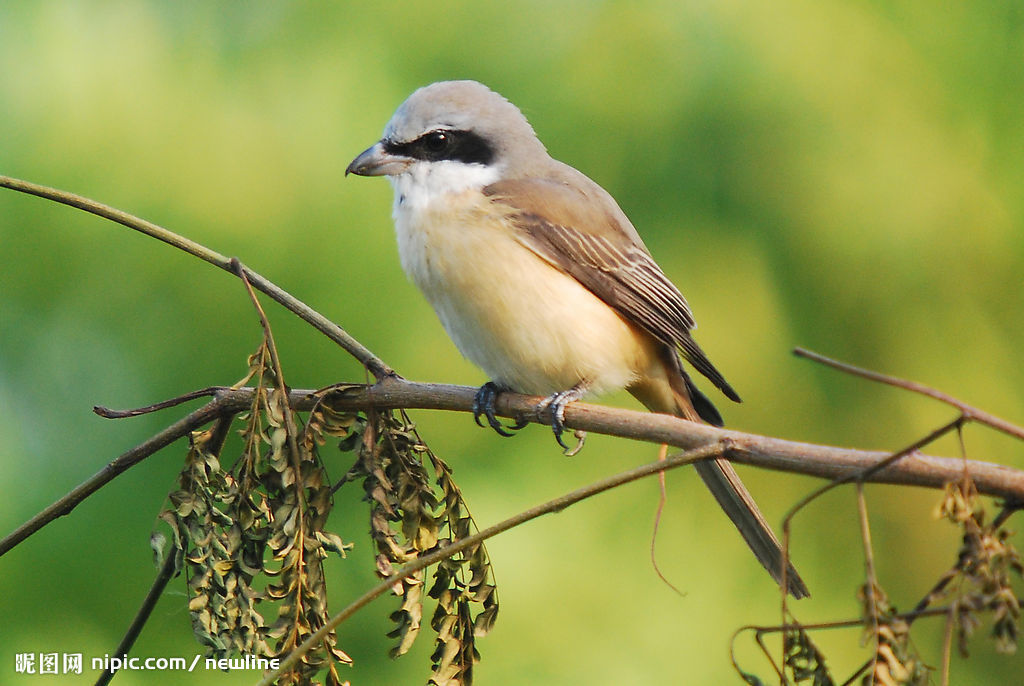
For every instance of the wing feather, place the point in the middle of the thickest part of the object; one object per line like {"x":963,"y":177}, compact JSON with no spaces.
{"x":601,"y":254}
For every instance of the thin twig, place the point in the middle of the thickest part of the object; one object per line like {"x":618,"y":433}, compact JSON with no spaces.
{"x":170,"y":568}
{"x":840,"y":624}
{"x":866,"y":473}
{"x":114,"y":468}
{"x":167,"y":571}
{"x":869,"y":570}
{"x":780,"y":670}
{"x":317,"y":320}
{"x":662,"y":498}
{"x":970,"y":412}
{"x":108,"y":413}
{"x":291,"y":431}
{"x":860,"y":670}
{"x":555,"y":505}
{"x":859,"y":476}
{"x":760,"y":631}
{"x":268,"y":336}
{"x":1005,"y":513}
{"x":947,"y":645}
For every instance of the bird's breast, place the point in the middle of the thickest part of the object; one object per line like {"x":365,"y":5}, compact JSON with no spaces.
{"x":529,"y":325}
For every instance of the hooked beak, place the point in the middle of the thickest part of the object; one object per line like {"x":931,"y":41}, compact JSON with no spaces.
{"x":376,"y":161}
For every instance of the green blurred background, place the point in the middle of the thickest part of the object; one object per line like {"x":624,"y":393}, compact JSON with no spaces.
{"x":845,"y":176}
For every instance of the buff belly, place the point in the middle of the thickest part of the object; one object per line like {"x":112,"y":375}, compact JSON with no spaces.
{"x":529,"y":326}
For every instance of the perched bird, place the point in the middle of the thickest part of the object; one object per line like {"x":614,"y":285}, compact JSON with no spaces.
{"x":540,"y":279}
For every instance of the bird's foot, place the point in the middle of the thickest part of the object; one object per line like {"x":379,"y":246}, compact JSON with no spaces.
{"x":555,"y":404}
{"x":483,"y":406}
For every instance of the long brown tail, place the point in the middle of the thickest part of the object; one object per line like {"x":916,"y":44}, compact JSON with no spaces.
{"x":724,"y":483}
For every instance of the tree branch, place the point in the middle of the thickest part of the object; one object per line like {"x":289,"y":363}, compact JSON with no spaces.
{"x":115,"y":467}
{"x":307,"y":313}
{"x":969,"y":412}
{"x":826,"y":462}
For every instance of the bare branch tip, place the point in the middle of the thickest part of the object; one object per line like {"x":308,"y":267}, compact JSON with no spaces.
{"x":108,"y":413}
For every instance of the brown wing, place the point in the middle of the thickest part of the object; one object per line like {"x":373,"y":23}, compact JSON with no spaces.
{"x":593,"y":241}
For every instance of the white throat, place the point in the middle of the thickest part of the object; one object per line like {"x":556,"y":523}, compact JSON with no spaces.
{"x":427,"y":182}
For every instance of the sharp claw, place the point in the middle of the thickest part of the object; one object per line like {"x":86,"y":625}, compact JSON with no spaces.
{"x":556,"y":403}
{"x":558,"y":438}
{"x":483,"y":403}
{"x":483,"y":406}
{"x":499,"y":428}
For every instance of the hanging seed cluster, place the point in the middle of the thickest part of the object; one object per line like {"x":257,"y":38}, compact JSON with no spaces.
{"x":415,"y":509}
{"x":252,"y":536}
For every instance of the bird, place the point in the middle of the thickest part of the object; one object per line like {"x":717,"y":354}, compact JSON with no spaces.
{"x":540,"y":279}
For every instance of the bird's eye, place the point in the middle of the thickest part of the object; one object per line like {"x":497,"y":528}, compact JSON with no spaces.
{"x":436,"y":141}
{"x":438,"y":145}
